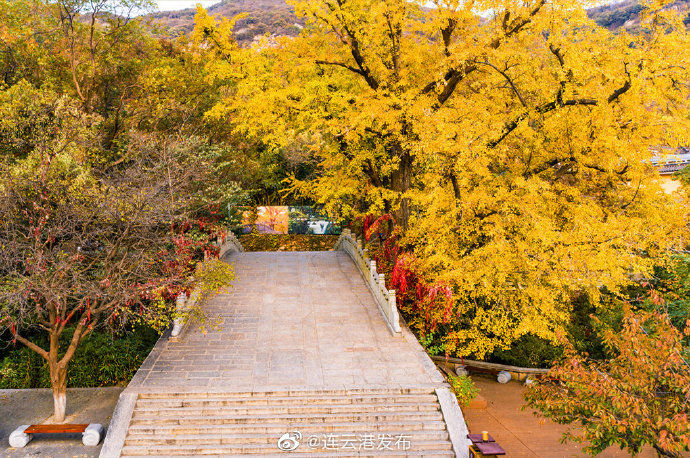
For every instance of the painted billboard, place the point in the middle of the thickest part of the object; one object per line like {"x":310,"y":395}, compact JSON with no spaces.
{"x":288,"y":220}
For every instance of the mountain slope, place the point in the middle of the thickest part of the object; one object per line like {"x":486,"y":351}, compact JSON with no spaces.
{"x":626,"y":14}
{"x":275,"y":17}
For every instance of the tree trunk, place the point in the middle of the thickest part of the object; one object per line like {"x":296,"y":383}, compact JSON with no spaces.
{"x":401,"y":183}
{"x":58,"y":381}
{"x":662,"y":452}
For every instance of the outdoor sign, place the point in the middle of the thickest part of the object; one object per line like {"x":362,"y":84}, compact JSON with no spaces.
{"x":284,"y":219}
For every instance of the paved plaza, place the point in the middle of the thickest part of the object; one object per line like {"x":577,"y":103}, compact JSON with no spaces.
{"x":293,"y":320}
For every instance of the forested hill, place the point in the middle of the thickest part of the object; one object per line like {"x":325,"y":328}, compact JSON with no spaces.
{"x":626,"y":14}
{"x":275,"y":17}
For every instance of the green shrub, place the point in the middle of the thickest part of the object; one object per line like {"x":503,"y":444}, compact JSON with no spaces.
{"x":465,"y":390}
{"x":101,"y":360}
{"x":528,"y":351}
{"x":432,"y":344}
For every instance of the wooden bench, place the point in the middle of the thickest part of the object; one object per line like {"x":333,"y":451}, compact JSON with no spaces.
{"x":483,"y":446}
{"x":90,"y":433}
{"x":56,"y":429}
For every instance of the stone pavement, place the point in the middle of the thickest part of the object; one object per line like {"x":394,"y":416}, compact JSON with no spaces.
{"x":292,"y":320}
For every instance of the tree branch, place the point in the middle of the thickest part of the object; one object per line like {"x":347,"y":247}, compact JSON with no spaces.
{"x":340,"y":64}
{"x":455,"y":75}
{"x":32,"y":346}
{"x":508,"y":79}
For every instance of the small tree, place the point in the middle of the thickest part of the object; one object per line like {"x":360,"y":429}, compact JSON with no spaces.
{"x":83,"y":248}
{"x":641,"y":395}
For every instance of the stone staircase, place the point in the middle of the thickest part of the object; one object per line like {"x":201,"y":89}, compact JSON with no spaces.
{"x":362,"y":422}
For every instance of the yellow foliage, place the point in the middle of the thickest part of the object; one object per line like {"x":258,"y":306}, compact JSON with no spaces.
{"x":510,"y":139}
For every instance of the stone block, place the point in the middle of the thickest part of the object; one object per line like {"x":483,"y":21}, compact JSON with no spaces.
{"x":503,"y":377}
{"x":92,"y":435}
{"x":18,"y":438}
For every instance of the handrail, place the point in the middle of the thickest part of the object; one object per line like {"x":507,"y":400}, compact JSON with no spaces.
{"x":228,"y":242}
{"x":385,"y":298}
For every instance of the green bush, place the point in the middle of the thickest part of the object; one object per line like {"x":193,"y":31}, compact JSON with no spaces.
{"x":528,"y":351}
{"x":465,"y":390}
{"x":101,"y":360}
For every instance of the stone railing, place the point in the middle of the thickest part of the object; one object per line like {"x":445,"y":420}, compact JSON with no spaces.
{"x":385,"y":298}
{"x":229,"y":243}
{"x":183,"y":303}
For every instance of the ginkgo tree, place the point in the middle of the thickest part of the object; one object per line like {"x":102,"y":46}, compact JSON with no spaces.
{"x":510,"y":141}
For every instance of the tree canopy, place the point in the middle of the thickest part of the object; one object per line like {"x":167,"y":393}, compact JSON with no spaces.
{"x":509,"y":140}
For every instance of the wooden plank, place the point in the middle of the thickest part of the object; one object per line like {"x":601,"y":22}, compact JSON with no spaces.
{"x":492,"y":366}
{"x":490,"y":448}
{"x":56,"y":429}
{"x":477,"y":438}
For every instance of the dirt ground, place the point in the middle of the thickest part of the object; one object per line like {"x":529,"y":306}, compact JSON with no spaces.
{"x":35,"y":406}
{"x":520,"y":432}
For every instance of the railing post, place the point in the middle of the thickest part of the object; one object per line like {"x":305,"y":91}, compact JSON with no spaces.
{"x":395,"y":316}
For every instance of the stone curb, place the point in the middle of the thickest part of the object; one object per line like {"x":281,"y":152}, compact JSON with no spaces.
{"x":455,"y":422}
{"x":119,"y":424}
{"x":150,"y":360}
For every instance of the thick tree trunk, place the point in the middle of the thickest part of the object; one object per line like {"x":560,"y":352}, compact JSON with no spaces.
{"x":58,"y":381}
{"x":401,"y":183}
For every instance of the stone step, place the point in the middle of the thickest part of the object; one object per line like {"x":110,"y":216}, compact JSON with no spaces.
{"x":287,"y":393}
{"x":280,"y":428}
{"x":283,"y":409}
{"x":434,"y":453}
{"x":210,"y":419}
{"x":254,"y":438}
{"x":290,"y":400}
{"x":235,"y":449}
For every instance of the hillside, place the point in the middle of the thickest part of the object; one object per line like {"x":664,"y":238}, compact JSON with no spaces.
{"x":265,"y":16}
{"x":275,"y":17}
{"x":626,"y":14}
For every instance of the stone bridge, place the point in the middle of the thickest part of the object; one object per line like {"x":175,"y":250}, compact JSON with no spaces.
{"x":296,"y":354}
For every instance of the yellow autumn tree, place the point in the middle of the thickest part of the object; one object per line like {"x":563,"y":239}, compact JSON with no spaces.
{"x":510,"y":140}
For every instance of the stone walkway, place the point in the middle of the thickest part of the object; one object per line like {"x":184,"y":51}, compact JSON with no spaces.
{"x":297,"y":320}
{"x":299,"y":342}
